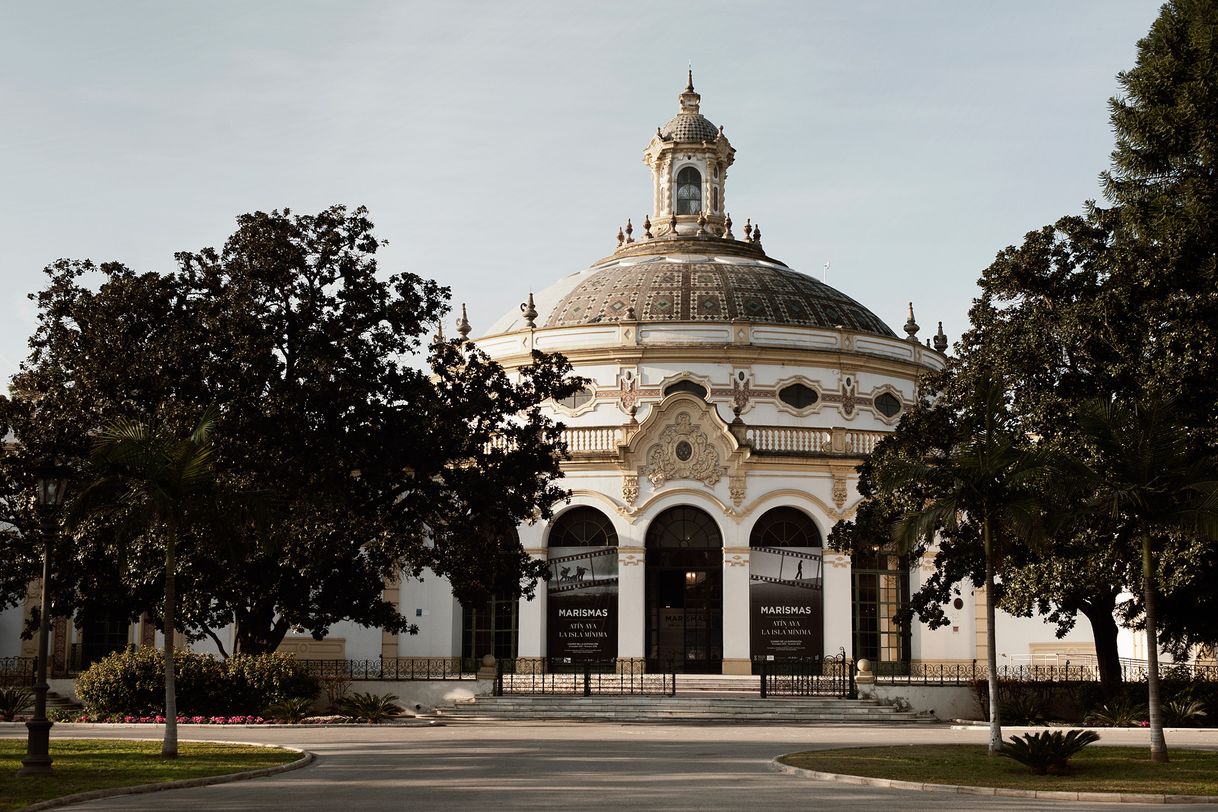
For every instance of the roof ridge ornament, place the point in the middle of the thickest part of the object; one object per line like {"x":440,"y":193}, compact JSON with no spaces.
{"x":463,"y":326}
{"x":529,"y":309}
{"x":911,"y":326}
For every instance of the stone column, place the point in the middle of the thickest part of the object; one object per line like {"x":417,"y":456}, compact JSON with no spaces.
{"x":531,"y":640}
{"x":631,"y":603}
{"x":839,"y":604}
{"x":737,"y":654}
{"x":389,"y":640}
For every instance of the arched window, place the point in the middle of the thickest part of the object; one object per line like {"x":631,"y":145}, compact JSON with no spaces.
{"x":785,"y":527}
{"x":683,"y":528}
{"x":689,"y":191}
{"x":583,"y":527}
{"x":696,"y":389}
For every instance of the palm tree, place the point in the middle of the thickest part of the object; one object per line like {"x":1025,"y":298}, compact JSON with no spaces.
{"x":154,"y":478}
{"x":980,"y":482}
{"x":1142,"y":470}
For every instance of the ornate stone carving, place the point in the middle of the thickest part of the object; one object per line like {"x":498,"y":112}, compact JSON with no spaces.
{"x":839,"y":490}
{"x":838,"y":561}
{"x":737,"y":489}
{"x":736,"y":560}
{"x":849,"y":401}
{"x":742,"y":393}
{"x":683,"y":452}
{"x":628,"y":390}
{"x":630,"y":488}
{"x":629,"y":559}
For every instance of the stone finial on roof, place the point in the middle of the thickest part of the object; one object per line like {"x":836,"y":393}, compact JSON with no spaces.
{"x":727,"y":228}
{"x":530,"y":311}
{"x":757,"y":236}
{"x":672,"y":224}
{"x":647,"y":226}
{"x":701,"y":223}
{"x":629,"y":231}
{"x":941,"y":339}
{"x":463,"y":323}
{"x":621,"y":237}
{"x":748,"y":229}
{"x":911,"y":326}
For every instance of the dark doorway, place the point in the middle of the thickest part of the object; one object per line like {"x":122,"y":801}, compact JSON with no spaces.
{"x":684,"y":593}
{"x":101,"y":636}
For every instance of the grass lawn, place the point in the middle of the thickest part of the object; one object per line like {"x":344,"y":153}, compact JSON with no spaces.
{"x":1096,"y":769}
{"x":87,"y":764}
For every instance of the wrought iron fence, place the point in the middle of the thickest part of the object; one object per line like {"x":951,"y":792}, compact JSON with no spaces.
{"x":390,"y":668}
{"x":808,"y":676}
{"x":618,"y":677}
{"x":1087,"y":671}
{"x":17,"y":670}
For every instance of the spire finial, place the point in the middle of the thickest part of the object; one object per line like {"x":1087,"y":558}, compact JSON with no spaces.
{"x":911,"y":326}
{"x":463,"y":323}
{"x":621,"y":237}
{"x":647,"y":227}
{"x":629,"y":231}
{"x":690,"y":84}
{"x":727,"y":228}
{"x":701,"y":224}
{"x":941,"y":339}
{"x":530,"y":311}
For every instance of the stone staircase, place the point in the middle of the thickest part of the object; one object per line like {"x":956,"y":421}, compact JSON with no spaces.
{"x":703,"y":699}
{"x":54,"y":700}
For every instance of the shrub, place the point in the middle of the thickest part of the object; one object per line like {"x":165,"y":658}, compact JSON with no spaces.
{"x":128,"y":681}
{"x":1118,"y":713}
{"x":14,"y":700}
{"x":1183,"y":710}
{"x":370,"y":707}
{"x":259,"y":680}
{"x":1049,"y":751}
{"x":336,"y":687}
{"x":132,"y":683}
{"x":290,"y":710}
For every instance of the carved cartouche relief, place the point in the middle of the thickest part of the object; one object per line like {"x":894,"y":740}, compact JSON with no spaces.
{"x":683,"y":452}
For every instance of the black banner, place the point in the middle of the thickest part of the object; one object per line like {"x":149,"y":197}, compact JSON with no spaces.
{"x":582,"y":603}
{"x":786,"y":602}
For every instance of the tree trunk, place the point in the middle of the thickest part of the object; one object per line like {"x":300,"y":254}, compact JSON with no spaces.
{"x":1158,"y":744}
{"x":169,"y":747}
{"x":259,"y":632}
{"x":1104,"y":631}
{"x":991,"y":648}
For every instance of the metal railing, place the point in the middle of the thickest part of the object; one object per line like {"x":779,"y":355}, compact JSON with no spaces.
{"x":403,"y":669}
{"x":619,"y":677}
{"x":1068,"y":671}
{"x":808,"y":676}
{"x":18,"y":670}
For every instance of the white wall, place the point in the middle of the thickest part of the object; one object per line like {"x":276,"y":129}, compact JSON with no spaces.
{"x":11,"y":622}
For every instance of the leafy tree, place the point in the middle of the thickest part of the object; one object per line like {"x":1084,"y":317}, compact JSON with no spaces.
{"x":311,"y":355}
{"x":150,"y":481}
{"x":1142,"y":473}
{"x":975,"y":488}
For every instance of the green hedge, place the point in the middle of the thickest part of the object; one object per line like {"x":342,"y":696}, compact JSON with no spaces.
{"x":133,"y":682}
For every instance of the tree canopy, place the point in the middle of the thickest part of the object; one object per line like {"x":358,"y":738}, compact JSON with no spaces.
{"x":379,"y":450}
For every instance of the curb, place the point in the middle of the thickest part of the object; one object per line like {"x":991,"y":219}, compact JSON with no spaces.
{"x":995,"y":792}
{"x":305,"y":759}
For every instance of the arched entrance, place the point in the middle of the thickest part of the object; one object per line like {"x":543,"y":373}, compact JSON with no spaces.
{"x":684,"y":592}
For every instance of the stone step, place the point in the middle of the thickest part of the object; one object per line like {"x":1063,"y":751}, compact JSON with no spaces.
{"x":794,"y":710}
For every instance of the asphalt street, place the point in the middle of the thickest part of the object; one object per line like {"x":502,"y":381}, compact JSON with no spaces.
{"x":517,"y":765}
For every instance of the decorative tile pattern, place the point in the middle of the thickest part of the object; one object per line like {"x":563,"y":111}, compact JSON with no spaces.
{"x":712,"y":291}
{"x":689,"y":127}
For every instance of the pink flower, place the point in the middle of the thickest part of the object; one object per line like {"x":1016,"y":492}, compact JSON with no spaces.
{"x":160,"y":719}
{"x":128,"y":718}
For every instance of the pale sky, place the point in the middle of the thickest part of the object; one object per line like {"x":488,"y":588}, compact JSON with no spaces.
{"x":498,"y":145}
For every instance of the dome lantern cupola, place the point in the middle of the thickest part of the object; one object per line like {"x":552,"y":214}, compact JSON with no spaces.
{"x":689,"y":157}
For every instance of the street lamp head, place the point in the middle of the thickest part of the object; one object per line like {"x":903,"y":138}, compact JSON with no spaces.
{"x":52,"y":484}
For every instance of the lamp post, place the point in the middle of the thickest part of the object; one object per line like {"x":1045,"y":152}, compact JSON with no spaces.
{"x":52,"y":482}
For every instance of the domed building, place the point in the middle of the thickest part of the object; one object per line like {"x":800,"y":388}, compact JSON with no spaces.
{"x":730,"y":400}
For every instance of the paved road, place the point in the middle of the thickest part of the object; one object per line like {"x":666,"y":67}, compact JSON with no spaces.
{"x":518,"y":765}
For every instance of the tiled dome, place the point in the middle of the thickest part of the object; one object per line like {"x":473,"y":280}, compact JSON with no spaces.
{"x":689,"y":127}
{"x":709,"y":289}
